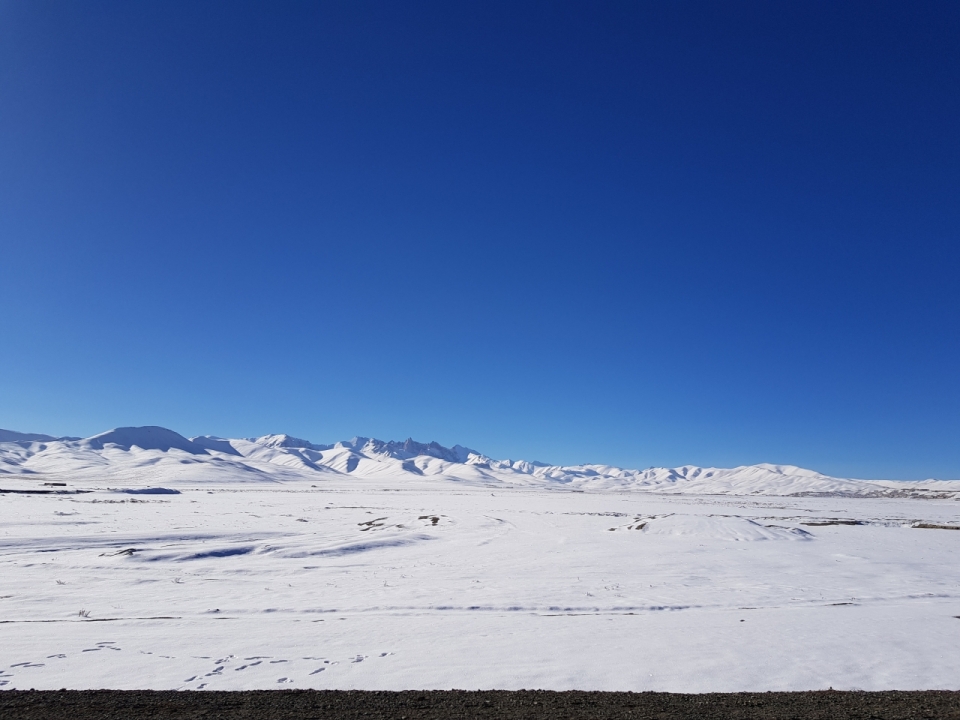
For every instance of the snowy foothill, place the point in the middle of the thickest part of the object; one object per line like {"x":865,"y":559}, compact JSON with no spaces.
{"x":139,"y":558}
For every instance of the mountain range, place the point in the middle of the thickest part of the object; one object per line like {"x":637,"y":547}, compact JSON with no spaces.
{"x":143,"y":456}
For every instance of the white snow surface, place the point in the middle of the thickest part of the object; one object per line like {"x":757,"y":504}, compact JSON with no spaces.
{"x":139,"y":558}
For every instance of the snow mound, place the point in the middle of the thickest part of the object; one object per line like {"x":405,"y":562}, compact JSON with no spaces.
{"x":719,"y":527}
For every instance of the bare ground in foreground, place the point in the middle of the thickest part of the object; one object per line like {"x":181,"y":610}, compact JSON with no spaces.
{"x":456,"y":704}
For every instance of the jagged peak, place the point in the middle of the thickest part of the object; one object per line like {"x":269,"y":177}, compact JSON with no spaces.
{"x":409,"y":449}
{"x":287,"y":441}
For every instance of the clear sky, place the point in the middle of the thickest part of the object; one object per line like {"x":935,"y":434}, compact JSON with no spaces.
{"x":715,"y":233}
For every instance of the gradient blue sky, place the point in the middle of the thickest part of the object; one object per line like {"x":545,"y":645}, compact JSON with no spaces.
{"x":715,"y":233}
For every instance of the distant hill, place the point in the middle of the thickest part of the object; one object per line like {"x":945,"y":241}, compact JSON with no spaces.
{"x":11,"y":436}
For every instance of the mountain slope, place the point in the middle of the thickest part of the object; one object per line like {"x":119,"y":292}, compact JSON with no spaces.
{"x":11,"y":436}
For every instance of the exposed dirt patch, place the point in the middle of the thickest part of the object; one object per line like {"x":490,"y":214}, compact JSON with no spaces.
{"x":457,"y":704}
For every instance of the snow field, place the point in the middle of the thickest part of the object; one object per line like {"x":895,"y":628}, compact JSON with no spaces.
{"x":430,"y":583}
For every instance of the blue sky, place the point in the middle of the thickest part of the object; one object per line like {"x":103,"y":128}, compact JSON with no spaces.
{"x":636,"y":233}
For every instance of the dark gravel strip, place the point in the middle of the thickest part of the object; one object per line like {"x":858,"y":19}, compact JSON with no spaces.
{"x":456,"y":704}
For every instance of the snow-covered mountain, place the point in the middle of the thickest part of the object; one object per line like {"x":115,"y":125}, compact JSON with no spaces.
{"x":11,"y":436}
{"x":154,"y":456}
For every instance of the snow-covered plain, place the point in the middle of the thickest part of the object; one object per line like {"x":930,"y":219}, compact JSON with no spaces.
{"x":167,"y":562}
